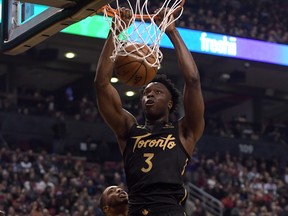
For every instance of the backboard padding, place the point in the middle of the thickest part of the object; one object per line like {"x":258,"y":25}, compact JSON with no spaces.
{"x":23,"y":37}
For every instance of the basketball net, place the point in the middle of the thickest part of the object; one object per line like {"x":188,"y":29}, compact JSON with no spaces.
{"x":142,"y":28}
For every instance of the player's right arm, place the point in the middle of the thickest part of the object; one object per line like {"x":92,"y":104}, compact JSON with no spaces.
{"x":108,"y":99}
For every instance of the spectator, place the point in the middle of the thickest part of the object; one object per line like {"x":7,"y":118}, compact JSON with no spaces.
{"x":59,"y":132}
{"x":25,"y":164}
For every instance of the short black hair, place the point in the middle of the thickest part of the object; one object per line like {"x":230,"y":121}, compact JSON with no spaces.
{"x":175,"y":93}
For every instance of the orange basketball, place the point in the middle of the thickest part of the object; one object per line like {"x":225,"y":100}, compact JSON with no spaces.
{"x":133,"y":71}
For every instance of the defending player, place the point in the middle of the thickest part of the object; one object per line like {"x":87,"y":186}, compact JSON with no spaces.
{"x":114,"y":201}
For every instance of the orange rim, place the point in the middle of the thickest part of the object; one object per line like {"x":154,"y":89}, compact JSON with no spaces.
{"x":111,"y":11}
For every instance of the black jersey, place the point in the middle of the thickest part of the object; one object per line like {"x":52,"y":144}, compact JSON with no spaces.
{"x":154,"y":163}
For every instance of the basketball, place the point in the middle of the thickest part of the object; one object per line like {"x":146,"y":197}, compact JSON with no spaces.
{"x":133,"y":71}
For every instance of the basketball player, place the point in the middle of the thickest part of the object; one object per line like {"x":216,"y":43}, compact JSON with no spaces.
{"x":114,"y":201}
{"x":155,"y":154}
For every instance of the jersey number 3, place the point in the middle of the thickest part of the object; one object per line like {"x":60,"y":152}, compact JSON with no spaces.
{"x":148,"y":157}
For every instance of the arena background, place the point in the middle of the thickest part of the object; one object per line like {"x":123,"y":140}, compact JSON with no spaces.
{"x":47,"y":103}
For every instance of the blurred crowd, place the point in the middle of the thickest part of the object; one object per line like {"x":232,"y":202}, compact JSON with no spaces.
{"x":240,"y":128}
{"x":245,"y":186}
{"x":43,"y":184}
{"x":50,"y":184}
{"x":84,"y":109}
{"x":34,"y":102}
{"x":257,"y":19}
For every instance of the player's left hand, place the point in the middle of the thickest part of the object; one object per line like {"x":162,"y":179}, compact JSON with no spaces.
{"x":126,"y":16}
{"x":161,"y":14}
{"x":125,"y":20}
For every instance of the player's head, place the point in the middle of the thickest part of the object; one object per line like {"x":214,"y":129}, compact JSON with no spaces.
{"x":166,"y":89}
{"x":114,"y":201}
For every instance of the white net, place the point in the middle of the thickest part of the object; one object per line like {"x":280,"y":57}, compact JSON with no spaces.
{"x":142,"y":30}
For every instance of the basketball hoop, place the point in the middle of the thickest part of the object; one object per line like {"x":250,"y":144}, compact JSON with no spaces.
{"x":142,"y":29}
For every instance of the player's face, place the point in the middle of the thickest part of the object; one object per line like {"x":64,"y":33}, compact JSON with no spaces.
{"x":155,"y":99}
{"x":115,"y":196}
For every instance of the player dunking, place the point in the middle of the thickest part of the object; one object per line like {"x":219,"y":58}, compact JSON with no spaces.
{"x":155,"y":154}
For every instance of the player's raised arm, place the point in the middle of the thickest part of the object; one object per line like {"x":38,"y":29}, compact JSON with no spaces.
{"x":108,"y":99}
{"x":192,"y":124}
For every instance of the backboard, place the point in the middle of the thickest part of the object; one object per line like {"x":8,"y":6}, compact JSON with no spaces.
{"x":26,"y":24}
